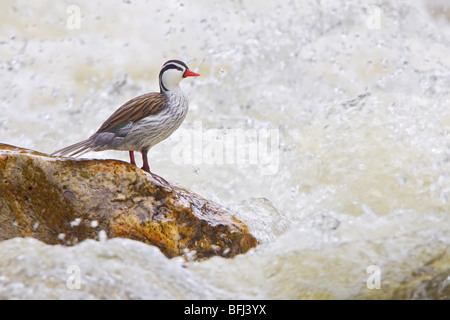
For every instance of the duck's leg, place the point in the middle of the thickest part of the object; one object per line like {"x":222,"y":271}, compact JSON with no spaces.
{"x":146,"y":167}
{"x":132,"y":161}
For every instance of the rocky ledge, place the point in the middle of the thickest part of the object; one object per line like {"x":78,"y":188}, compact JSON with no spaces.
{"x":64,"y":201}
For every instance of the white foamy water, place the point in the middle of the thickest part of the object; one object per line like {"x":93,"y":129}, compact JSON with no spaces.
{"x":356,"y":201}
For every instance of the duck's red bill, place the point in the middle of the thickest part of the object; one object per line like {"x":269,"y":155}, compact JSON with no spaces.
{"x":189,"y":73}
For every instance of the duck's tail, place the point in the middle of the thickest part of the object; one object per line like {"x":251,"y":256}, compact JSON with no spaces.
{"x":76,"y":149}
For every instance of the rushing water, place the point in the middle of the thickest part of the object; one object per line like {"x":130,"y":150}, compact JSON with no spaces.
{"x":322,"y":124}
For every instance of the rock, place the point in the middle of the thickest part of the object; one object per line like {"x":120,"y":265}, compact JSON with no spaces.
{"x":64,"y":201}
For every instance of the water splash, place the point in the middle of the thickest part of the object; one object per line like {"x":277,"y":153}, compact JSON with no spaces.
{"x":358,"y":93}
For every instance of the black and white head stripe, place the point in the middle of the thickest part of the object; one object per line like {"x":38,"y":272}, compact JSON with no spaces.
{"x":171,"y":65}
{"x":177,"y":64}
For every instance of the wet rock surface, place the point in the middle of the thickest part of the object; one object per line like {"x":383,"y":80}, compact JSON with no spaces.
{"x":64,"y":201}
